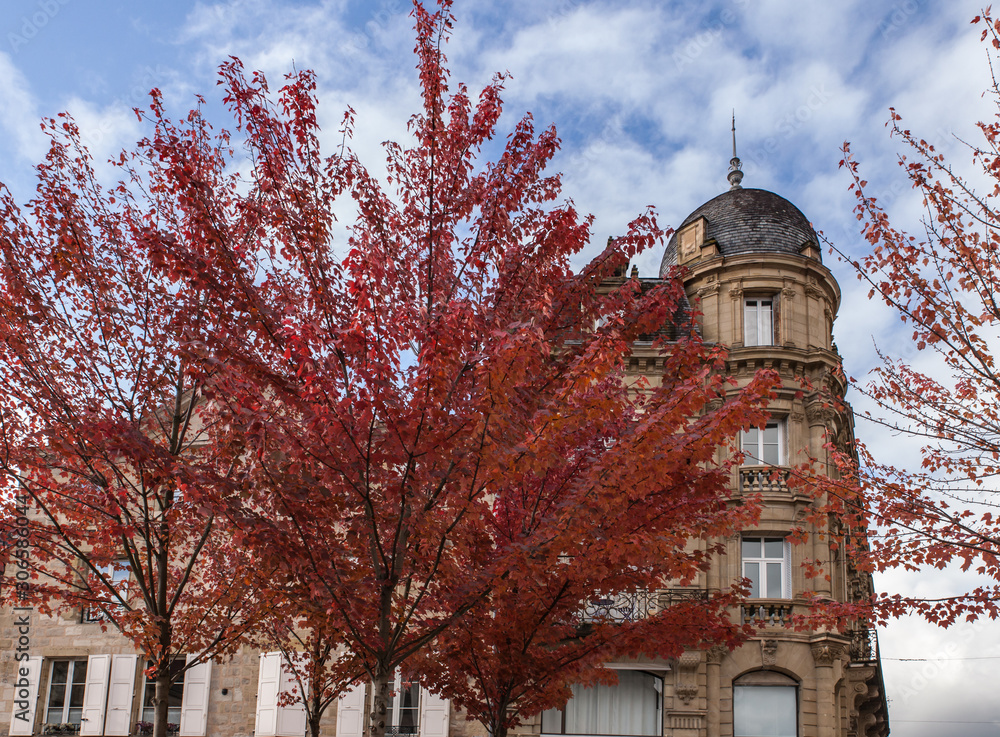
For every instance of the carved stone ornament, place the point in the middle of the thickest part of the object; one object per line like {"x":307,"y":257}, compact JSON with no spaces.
{"x":687,"y":676}
{"x":813,"y":289}
{"x":686,"y":692}
{"x":818,"y":414}
{"x":711,"y":288}
{"x":717,"y":653}
{"x":736,"y":291}
{"x":769,"y":652}
{"x":826,"y":653}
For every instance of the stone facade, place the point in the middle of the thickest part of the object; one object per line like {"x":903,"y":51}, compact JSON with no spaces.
{"x":746,"y":253}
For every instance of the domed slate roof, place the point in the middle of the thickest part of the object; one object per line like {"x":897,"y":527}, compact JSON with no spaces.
{"x":748,"y":221}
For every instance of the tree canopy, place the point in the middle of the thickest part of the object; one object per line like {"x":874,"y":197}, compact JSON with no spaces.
{"x":943,"y":284}
{"x":418,"y":428}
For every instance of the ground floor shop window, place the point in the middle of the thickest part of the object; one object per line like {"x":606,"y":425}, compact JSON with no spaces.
{"x":632,"y":707}
{"x":765,"y":704}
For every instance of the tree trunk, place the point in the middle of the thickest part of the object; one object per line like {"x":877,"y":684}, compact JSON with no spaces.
{"x":314,"y":724}
{"x":380,"y":704}
{"x":496,"y":726}
{"x":160,"y":702}
{"x":314,"y":707}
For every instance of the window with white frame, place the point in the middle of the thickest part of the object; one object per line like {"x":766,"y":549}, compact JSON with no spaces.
{"x":767,"y":563}
{"x":403,"y":712}
{"x":175,"y":697}
{"x":765,"y":704}
{"x":64,"y":701}
{"x":633,"y":707}
{"x":764,"y":446}
{"x":118,"y":574}
{"x":758,"y":321}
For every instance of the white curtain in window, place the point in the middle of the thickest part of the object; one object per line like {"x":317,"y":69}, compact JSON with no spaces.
{"x":630,"y":708}
{"x":764,"y":711}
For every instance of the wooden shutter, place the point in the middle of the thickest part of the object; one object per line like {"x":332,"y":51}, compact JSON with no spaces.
{"x":95,"y":695}
{"x":118,"y":721}
{"x":351,"y":713}
{"x":26,"y":676}
{"x":268,"y":682}
{"x":291,"y":719}
{"x":435,"y":713}
{"x":194,"y":704}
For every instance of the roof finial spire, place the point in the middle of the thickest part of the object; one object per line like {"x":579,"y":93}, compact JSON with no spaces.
{"x":735,"y":175}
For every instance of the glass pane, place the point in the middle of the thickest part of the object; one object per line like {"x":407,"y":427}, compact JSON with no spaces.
{"x":774,"y":580}
{"x":60,"y":671}
{"x":770,"y":445}
{"x":408,"y":715}
{"x":764,"y":711}
{"x":752,"y":571}
{"x":552,"y":721}
{"x":173,"y":716}
{"x":750,"y":445}
{"x":750,"y":323}
{"x":774,"y":547}
{"x":765,"y":326}
{"x":76,"y":695}
{"x":751,"y":547}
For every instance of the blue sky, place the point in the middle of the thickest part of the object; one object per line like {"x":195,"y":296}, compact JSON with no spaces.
{"x":641,"y":93}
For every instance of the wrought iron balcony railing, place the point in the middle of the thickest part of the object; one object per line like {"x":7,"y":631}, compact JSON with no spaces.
{"x":621,"y":607}
{"x":864,"y":646}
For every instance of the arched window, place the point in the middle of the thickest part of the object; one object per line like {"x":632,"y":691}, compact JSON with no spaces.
{"x":765,"y":704}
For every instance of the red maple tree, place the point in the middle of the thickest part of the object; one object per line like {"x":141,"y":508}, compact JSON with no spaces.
{"x":102,"y":442}
{"x":408,"y":425}
{"x":943,"y":284}
{"x":389,"y":401}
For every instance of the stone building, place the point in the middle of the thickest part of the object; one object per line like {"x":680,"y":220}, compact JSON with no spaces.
{"x":754,"y":267}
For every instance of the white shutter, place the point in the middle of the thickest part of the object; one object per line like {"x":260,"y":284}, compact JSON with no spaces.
{"x":291,"y":720}
{"x":95,"y":695}
{"x":194,"y":705}
{"x":435,"y":713}
{"x":26,"y":676}
{"x":787,"y":570}
{"x":351,"y":712}
{"x":120,"y":690}
{"x":268,"y":682}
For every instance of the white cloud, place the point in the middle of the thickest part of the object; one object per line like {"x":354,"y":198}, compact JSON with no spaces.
{"x":19,"y":117}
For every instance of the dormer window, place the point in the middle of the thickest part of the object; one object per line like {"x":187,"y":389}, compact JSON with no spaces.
{"x":689,"y":241}
{"x":758,"y":321}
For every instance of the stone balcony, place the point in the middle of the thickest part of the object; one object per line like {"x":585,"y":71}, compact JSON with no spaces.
{"x":763,"y":480}
{"x":767,"y":612}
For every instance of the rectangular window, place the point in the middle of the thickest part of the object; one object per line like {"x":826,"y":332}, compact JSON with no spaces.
{"x":118,"y":573}
{"x":767,"y":563}
{"x":67,"y":681}
{"x":764,"y":447}
{"x":404,"y":708}
{"x":175,"y":698}
{"x":633,"y":708}
{"x":758,"y":322}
